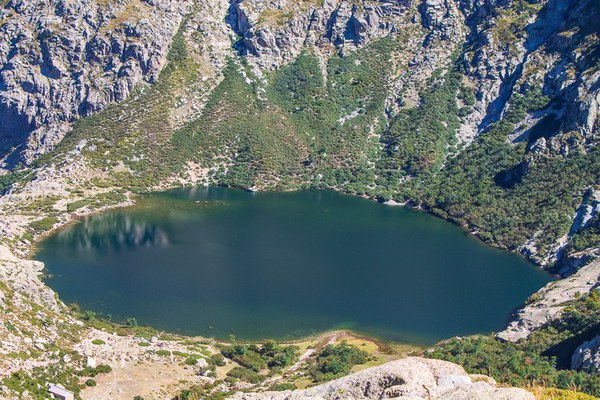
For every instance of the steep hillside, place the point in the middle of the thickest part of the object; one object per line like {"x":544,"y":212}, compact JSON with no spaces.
{"x":63,"y":60}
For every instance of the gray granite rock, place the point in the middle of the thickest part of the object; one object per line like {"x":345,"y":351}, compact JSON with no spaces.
{"x":407,"y":378}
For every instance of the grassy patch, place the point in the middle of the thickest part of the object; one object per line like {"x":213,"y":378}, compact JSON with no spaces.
{"x":44,"y":224}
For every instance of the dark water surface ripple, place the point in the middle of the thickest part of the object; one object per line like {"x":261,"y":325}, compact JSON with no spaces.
{"x":216,"y":262}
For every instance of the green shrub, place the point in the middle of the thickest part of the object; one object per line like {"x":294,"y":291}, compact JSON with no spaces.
{"x":191,"y":361}
{"x":76,"y":205}
{"x":246,"y":374}
{"x":217,"y":360}
{"x":257,"y":358}
{"x":103,"y":368}
{"x":88,"y":315}
{"x":92,"y":372}
{"x":279,"y":387}
{"x":10,"y":327}
{"x":98,"y":342}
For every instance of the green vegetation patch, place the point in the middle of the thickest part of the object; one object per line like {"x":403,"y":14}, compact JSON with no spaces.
{"x":246,"y":375}
{"x":256,"y":358}
{"x":44,"y":224}
{"x":586,"y":238}
{"x":419,"y":138}
{"x":34,"y":383}
{"x":335,"y":361}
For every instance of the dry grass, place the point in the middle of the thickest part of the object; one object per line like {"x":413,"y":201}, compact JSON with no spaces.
{"x":278,"y":17}
{"x":558,"y":394}
{"x":132,"y":12}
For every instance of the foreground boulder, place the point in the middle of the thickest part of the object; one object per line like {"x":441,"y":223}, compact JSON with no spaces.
{"x":408,"y":378}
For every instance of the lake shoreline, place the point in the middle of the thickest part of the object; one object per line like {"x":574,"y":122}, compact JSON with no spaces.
{"x":178,"y":228}
{"x":132,"y":201}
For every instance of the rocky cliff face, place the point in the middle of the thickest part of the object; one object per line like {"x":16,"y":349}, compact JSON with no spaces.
{"x":61,"y":60}
{"x":277,"y":31}
{"x":65,"y":60}
{"x":512,"y":47}
{"x":273,"y":33}
{"x":515,"y":47}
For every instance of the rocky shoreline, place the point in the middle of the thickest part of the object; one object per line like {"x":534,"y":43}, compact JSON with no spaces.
{"x":548,"y":303}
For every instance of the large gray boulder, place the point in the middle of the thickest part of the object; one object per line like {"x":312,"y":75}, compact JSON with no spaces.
{"x":407,"y":378}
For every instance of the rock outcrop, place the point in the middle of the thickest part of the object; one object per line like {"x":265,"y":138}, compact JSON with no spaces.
{"x":407,"y":378}
{"x":549,"y":302}
{"x":61,"y":60}
{"x":31,"y":313}
{"x":23,"y":276}
{"x":587,"y":357}
{"x":275,"y":32}
{"x":547,"y":48}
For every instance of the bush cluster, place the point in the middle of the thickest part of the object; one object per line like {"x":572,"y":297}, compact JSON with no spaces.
{"x":256,"y":358}
{"x":335,"y":361}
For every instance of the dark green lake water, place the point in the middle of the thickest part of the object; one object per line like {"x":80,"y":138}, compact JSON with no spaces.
{"x":216,"y":262}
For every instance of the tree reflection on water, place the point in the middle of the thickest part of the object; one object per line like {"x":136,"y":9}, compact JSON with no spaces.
{"x":113,"y":232}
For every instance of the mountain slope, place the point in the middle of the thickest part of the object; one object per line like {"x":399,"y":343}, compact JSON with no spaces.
{"x":492,"y":102}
